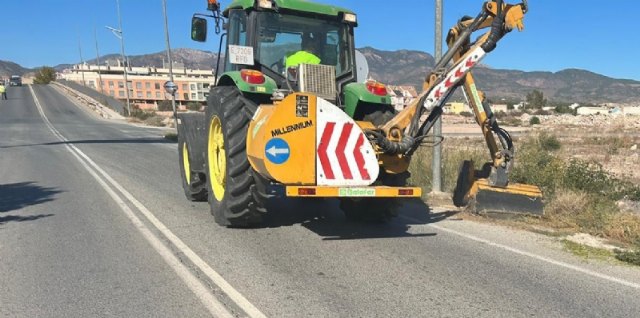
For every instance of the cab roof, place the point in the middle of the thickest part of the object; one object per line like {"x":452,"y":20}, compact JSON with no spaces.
{"x":294,"y":5}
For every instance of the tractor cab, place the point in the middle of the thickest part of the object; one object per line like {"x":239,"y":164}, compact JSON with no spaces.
{"x":300,"y":46}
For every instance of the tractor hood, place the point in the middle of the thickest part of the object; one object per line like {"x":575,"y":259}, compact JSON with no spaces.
{"x":294,"y":5}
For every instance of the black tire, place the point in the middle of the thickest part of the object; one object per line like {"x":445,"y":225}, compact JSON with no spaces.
{"x":463,"y":184}
{"x":242,"y":202}
{"x":194,"y":187}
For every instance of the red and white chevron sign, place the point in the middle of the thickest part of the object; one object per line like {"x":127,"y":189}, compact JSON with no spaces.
{"x":453,"y":77}
{"x":344,"y":155}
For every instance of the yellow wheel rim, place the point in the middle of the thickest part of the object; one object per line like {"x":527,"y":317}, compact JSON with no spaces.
{"x":185,"y":163}
{"x":217,"y":158}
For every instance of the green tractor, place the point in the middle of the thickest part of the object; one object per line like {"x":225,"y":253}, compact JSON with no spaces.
{"x":268,"y":55}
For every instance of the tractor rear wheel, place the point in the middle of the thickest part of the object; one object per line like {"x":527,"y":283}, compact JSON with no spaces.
{"x":194,"y":187}
{"x":236,"y":197}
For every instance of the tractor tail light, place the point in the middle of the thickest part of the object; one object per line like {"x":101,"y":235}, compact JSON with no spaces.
{"x":376,"y":88}
{"x":405,"y":191}
{"x":306,"y":191}
{"x":252,"y":76}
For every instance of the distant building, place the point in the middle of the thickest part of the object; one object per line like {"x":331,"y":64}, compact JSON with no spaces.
{"x":401,"y":96}
{"x":499,"y":108}
{"x":455,"y":108}
{"x":146,"y":84}
{"x":519,"y":106}
{"x":596,"y":110}
{"x":631,"y":110}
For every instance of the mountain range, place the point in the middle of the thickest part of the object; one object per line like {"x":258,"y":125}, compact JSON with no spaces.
{"x":406,"y":67}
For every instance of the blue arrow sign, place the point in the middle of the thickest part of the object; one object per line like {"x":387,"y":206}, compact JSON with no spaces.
{"x":277,"y":151}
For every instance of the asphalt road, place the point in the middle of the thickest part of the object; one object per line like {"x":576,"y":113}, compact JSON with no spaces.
{"x":93,"y":222}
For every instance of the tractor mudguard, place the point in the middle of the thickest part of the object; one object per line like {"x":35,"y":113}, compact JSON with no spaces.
{"x":233,"y":78}
{"x":356,"y":93}
{"x":192,"y":127}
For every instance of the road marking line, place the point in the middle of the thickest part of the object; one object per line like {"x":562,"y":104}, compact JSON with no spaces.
{"x":196,"y":286}
{"x":531,"y":255}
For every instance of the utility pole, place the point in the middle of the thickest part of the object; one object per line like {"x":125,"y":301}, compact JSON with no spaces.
{"x":118,"y":33}
{"x":95,"y":36}
{"x":166,"y":34}
{"x":436,"y":164}
{"x":84,"y":83}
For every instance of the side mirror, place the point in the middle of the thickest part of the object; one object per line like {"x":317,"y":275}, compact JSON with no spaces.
{"x":362,"y":67}
{"x":198,"y":29}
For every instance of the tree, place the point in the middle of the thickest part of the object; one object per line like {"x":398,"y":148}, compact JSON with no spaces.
{"x":45,"y":75}
{"x":536,"y":99}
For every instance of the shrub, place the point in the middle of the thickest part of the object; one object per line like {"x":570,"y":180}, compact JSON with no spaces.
{"x":155,"y":120}
{"x":549,"y":142}
{"x":564,"y":109}
{"x":45,"y":75}
{"x":165,"y":106}
{"x":195,"y":106}
{"x":138,"y":113}
{"x":535,"y":165}
{"x":564,"y":208}
{"x":534,"y":121}
{"x":629,"y":257}
{"x":592,"y":178}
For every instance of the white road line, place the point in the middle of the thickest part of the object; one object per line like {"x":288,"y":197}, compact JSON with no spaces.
{"x":531,"y":255}
{"x":205,"y":295}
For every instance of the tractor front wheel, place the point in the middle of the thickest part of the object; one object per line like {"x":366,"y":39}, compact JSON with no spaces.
{"x":194,"y":187}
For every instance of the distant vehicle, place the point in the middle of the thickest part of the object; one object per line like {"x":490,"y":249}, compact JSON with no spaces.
{"x":15,"y":80}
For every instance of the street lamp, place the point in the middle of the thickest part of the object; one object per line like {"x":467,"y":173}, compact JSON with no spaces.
{"x":170,"y":86}
{"x":95,"y":36}
{"x":119,"y":35}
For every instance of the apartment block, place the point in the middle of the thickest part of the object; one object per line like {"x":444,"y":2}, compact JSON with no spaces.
{"x":145,"y":84}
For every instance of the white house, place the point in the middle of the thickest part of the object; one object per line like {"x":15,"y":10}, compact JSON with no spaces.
{"x":598,"y":110}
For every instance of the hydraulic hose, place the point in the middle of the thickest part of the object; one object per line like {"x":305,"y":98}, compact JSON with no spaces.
{"x":392,"y":148}
{"x":497,"y":30}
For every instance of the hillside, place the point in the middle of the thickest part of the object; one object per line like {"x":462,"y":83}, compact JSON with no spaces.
{"x":191,"y":58}
{"x":8,"y":68}
{"x":406,"y":67}
{"x":571,"y":85}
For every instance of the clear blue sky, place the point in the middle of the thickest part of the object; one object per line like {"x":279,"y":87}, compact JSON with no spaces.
{"x":558,"y":34}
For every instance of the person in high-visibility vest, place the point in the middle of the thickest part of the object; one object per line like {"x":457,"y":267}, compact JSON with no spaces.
{"x":305,"y":56}
{"x":3,"y":91}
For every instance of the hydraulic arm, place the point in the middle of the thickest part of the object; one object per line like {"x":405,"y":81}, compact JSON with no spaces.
{"x":452,"y":71}
{"x":403,"y":134}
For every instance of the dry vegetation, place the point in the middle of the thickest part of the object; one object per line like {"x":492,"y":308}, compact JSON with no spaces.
{"x":588,"y":175}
